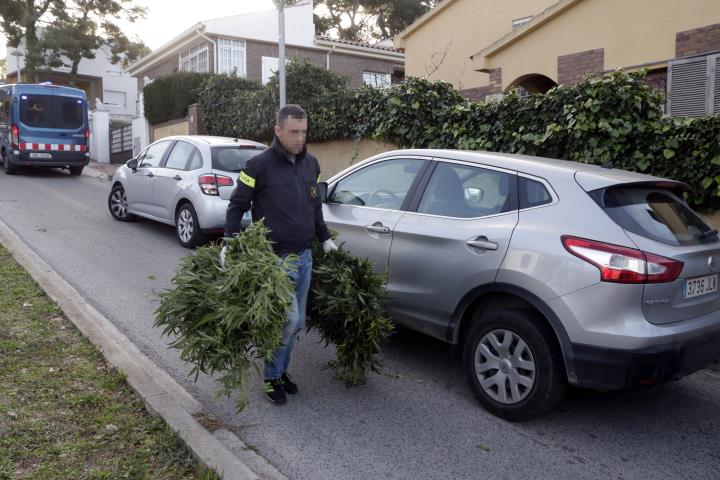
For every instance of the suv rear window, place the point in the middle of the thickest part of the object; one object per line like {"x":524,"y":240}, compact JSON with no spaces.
{"x":232,"y":159}
{"x":48,"y":111}
{"x":656,"y":213}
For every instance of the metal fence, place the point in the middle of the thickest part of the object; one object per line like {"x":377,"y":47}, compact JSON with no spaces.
{"x":121,"y":144}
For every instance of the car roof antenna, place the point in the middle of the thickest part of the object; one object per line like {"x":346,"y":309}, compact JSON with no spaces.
{"x":237,"y":137}
{"x":609,"y":164}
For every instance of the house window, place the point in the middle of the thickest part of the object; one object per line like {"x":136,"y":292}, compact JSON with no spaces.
{"x":517,"y":23}
{"x":375,"y":79}
{"x":270,"y":68}
{"x":195,"y":59}
{"x":231,"y":56}
{"x":115,"y":99}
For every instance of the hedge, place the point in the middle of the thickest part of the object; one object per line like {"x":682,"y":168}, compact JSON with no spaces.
{"x":617,"y":119}
{"x":168,"y":97}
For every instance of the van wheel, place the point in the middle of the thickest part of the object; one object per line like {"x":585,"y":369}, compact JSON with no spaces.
{"x":9,"y":168}
{"x":76,"y":171}
{"x":513,"y":365}
{"x":117,"y":203}
{"x":187,"y":227}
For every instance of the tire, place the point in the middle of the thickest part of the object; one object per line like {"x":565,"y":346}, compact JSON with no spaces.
{"x":505,"y":346}
{"x":9,"y":168}
{"x":187,"y":227}
{"x":117,"y":204}
{"x":76,"y":171}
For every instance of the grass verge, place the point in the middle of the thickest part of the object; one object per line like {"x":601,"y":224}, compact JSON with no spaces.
{"x":64,"y":412}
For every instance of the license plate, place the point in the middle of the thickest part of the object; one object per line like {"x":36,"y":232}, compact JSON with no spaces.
{"x":40,"y":155}
{"x":694,"y":287}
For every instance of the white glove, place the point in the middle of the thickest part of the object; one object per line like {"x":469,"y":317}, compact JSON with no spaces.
{"x":223,"y":252}
{"x":328,"y":245}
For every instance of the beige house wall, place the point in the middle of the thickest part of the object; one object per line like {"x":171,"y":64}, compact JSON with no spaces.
{"x":463,"y":28}
{"x":337,"y":155}
{"x":630,"y":32}
{"x":167,"y":129}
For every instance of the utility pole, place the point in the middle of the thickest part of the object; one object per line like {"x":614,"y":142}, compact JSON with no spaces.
{"x":17,"y":54}
{"x":281,"y":4}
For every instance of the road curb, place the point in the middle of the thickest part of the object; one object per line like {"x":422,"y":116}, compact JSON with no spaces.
{"x":162,"y":395}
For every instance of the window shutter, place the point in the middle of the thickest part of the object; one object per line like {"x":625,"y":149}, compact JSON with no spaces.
{"x":688,"y":85}
{"x":716,"y":104}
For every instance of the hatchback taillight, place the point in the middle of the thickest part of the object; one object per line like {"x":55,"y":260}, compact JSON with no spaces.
{"x":209,"y":183}
{"x":15,"y":136}
{"x":623,"y":265}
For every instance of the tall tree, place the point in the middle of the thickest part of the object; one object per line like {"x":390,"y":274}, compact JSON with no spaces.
{"x":82,"y":27}
{"x":392,"y":17}
{"x":19,"y":19}
{"x":345,"y":19}
{"x":3,"y":68}
{"x":368,"y":20}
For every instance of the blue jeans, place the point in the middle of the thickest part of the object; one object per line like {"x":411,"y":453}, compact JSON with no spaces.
{"x":299,"y":272}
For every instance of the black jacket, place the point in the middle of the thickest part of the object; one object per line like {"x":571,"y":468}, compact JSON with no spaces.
{"x":282,"y":193}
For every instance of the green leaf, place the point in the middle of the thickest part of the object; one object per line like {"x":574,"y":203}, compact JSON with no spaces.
{"x":668,"y":154}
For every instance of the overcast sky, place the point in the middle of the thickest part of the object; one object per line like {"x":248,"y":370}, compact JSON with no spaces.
{"x":167,"y":18}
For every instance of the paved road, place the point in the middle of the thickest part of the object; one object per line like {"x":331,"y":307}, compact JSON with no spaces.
{"x":416,"y":420}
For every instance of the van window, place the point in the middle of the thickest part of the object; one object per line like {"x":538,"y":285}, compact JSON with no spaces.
{"x":68,"y":113}
{"x":36,"y":110}
{"x":47,"y":111}
{"x":4,"y":105}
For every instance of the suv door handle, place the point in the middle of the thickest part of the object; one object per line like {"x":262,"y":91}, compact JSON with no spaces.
{"x":482,"y":244}
{"x":378,"y":228}
{"x":177,"y":177}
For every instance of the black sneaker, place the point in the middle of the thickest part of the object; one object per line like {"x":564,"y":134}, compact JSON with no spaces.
{"x":288,"y":385}
{"x":274,"y":391}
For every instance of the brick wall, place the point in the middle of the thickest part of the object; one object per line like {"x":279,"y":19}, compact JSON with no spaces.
{"x":172,"y":63}
{"x":256,"y":50}
{"x":196,"y":124}
{"x":573,"y":68}
{"x":478,"y":94}
{"x":351,"y":66}
{"x":698,"y":41}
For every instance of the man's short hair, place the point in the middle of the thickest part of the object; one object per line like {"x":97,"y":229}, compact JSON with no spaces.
{"x":290,"y":111}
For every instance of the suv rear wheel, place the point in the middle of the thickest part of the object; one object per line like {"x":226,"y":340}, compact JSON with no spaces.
{"x":513,"y":366}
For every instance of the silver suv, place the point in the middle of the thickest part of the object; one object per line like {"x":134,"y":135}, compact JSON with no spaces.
{"x":547,"y":272}
{"x":185,"y":181}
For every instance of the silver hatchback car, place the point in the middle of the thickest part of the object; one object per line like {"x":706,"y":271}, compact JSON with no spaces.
{"x":547,"y":272}
{"x":185,"y":181}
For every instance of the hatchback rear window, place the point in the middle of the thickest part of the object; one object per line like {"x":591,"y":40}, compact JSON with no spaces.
{"x":47,"y":111}
{"x":232,"y":159}
{"x":656,"y":213}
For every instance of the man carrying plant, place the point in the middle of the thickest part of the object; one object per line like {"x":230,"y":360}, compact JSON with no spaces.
{"x":280,"y":185}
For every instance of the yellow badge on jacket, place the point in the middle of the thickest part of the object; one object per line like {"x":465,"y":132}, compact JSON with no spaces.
{"x":247,"y":180}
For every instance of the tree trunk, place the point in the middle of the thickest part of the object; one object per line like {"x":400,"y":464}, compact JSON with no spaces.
{"x":74,"y":71}
{"x":32,"y":52}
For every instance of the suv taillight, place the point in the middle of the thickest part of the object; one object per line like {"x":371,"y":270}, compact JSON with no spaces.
{"x":87,"y":136}
{"x":209,"y":183}
{"x":621,"y":264}
{"x":14,"y":136}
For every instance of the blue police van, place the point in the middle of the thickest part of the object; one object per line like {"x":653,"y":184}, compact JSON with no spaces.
{"x":43,"y":125}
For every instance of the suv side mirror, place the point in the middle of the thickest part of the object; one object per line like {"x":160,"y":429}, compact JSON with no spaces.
{"x":132,"y":164}
{"x":323,"y":191}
